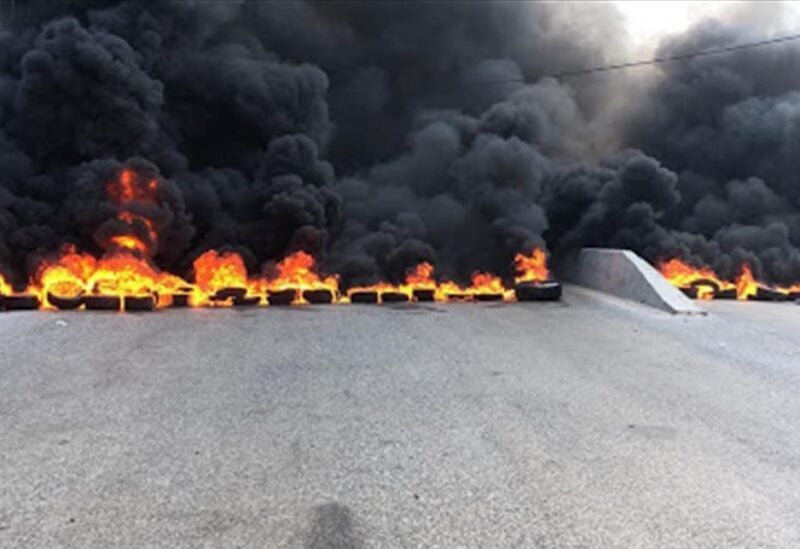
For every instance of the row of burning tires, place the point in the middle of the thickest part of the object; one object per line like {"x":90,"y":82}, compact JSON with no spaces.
{"x":696,"y":289}
{"x":526,"y":291}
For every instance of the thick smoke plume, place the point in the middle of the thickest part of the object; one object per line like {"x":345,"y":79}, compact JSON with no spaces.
{"x":378,"y":134}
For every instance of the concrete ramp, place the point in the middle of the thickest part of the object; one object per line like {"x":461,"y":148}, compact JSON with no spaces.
{"x":624,"y":274}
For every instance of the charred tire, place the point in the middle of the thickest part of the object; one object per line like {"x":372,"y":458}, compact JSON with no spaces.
{"x":179,"y":301}
{"x":135,"y":303}
{"x":538,"y":291}
{"x":726,"y":294}
{"x":225,"y":294}
{"x":689,"y":291}
{"x":394,"y":297}
{"x":365,"y":297}
{"x":102,"y":302}
{"x":765,"y":294}
{"x":424,"y":295}
{"x":65,"y":303}
{"x":488,"y":297}
{"x":705,"y":282}
{"x":247,"y":301}
{"x":282,"y":297}
{"x":318,"y":297}
{"x":22,"y":302}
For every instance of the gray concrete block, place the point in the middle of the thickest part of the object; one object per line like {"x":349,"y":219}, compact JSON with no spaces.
{"x":624,"y":274}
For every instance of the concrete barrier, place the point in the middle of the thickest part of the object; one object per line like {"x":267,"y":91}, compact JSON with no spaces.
{"x":624,"y":274}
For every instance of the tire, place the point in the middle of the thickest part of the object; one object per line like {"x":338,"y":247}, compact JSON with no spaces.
{"x":765,"y":294}
{"x":730,"y":293}
{"x":102,"y":302}
{"x":538,"y":291}
{"x":689,"y":291}
{"x":226,"y":294}
{"x":459,"y":297}
{"x":65,"y":303}
{"x":364,"y":297}
{"x":394,"y":297}
{"x":247,"y":301}
{"x":488,"y":297}
{"x":424,"y":295}
{"x":282,"y":297}
{"x":134,"y":303}
{"x":179,"y":301}
{"x":21,"y":302}
{"x":318,"y":297}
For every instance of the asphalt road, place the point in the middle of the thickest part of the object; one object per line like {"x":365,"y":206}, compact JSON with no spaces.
{"x":586,"y":423}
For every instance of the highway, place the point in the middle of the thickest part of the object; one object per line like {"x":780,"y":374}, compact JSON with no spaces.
{"x":586,"y":423}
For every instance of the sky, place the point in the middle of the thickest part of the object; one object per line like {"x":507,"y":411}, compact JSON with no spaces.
{"x":650,"y":20}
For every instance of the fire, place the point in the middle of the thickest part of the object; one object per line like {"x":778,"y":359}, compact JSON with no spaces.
{"x":126,"y":191}
{"x":486,"y":283}
{"x":215,"y":271}
{"x":708,"y":283}
{"x":683,"y":275}
{"x":72,"y":274}
{"x":127,"y":275}
{"x":68,"y":276}
{"x":5,"y":287}
{"x":221,"y":277}
{"x":298,"y":271}
{"x":746,"y":284}
{"x":421,"y":277}
{"x":531,"y":268}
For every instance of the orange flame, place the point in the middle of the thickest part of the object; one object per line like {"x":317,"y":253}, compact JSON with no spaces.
{"x":486,"y":283}
{"x":421,"y":277}
{"x":72,"y":274}
{"x":746,"y":284}
{"x":125,"y":272}
{"x":298,"y":271}
{"x":683,"y":275}
{"x":531,"y":268}
{"x":707,"y":281}
{"x":125,"y":192}
{"x":214,"y":271}
{"x":5,"y":287}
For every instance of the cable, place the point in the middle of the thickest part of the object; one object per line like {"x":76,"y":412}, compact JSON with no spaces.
{"x":654,"y":61}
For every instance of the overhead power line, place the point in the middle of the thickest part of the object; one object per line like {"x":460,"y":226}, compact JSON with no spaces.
{"x":653,"y":61}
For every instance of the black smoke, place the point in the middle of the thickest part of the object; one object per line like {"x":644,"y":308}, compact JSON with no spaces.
{"x":380,"y":134}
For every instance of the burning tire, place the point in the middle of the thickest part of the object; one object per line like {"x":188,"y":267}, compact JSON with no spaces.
{"x":21,"y":302}
{"x":364,"y":297}
{"x":247,"y":301}
{"x":394,"y":297}
{"x":282,"y":297}
{"x":730,"y":293}
{"x":179,"y":301}
{"x":102,"y":302}
{"x":765,"y":294}
{"x":488,"y":297}
{"x":318,"y":297}
{"x":229,"y":294}
{"x":694,"y":289}
{"x":424,"y":295}
{"x":140,"y":303}
{"x":65,"y":303}
{"x":689,"y":291}
{"x":459,"y":297}
{"x":538,"y":291}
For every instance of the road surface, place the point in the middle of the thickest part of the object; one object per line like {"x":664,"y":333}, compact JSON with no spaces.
{"x":585,"y":423}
